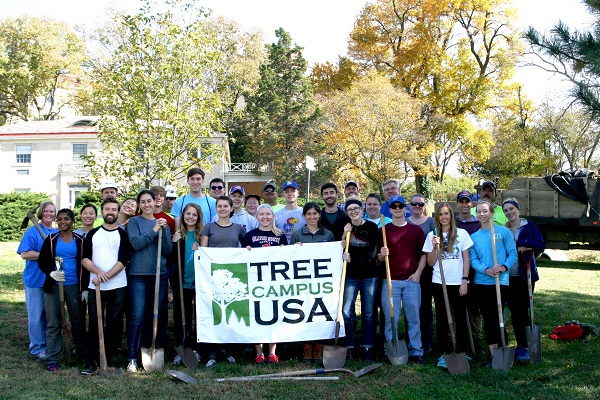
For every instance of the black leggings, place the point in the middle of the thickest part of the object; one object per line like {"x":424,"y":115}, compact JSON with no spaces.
{"x":486,"y":295}
{"x":458,"y":306}
{"x":518,"y":303}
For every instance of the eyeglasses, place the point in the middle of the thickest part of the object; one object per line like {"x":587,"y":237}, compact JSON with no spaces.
{"x":216,"y":187}
{"x":353,"y":209}
{"x":417,"y":204}
{"x":396,"y":206}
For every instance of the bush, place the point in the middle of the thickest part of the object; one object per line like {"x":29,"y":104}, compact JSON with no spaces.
{"x":13,"y":209}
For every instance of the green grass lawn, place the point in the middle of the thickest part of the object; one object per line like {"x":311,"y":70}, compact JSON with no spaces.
{"x":567,"y":290}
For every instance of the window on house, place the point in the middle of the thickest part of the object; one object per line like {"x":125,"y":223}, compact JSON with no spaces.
{"x":79,"y":150}
{"x":22,"y":172}
{"x":23,"y":154}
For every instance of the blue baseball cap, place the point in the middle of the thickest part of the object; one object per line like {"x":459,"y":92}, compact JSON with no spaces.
{"x":288,"y":184}
{"x":465,"y":194}
{"x":237,"y":188}
{"x":397,"y":199}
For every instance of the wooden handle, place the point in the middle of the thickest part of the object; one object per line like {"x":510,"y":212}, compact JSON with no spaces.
{"x":343,"y":280}
{"x":498,"y":292}
{"x":388,"y":275}
{"x":179,"y":269}
{"x":103,"y":362}
{"x":156,"y":290}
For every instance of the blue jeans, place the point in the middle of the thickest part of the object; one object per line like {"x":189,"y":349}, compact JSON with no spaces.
{"x":36,"y":319}
{"x":407,"y":293}
{"x":367,"y":288}
{"x":141,"y":296}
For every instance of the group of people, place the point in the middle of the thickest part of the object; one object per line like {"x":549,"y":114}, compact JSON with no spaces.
{"x":117,"y":255}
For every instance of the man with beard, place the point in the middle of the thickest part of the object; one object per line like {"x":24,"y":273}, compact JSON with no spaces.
{"x":488,"y":193}
{"x":332,"y":217}
{"x":106,"y":251}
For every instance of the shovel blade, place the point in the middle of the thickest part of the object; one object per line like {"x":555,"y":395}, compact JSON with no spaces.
{"x":153,"y":359}
{"x":534,"y":343}
{"x":503,"y":358}
{"x":187,"y":356}
{"x":396,"y":352}
{"x":110,"y":372}
{"x":334,"y":356}
{"x":366,"y":370}
{"x":181,"y":376}
{"x":457,"y":363}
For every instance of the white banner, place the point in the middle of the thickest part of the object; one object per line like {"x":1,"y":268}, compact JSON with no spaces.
{"x":268,"y":294}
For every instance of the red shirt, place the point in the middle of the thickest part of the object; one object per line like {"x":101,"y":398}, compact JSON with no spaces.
{"x":406,"y":248}
{"x":170,"y":221}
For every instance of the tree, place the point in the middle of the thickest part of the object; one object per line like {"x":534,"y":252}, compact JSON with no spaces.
{"x":328,"y":77}
{"x":376,"y":130}
{"x":280,"y":126}
{"x":226,"y":290}
{"x":456,"y":57}
{"x":150,"y":87}
{"x":38,"y":56}
{"x":575,"y":55}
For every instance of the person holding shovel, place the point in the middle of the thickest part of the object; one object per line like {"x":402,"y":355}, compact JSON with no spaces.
{"x":187,"y":238}
{"x":143,"y":232}
{"x":64,"y":249}
{"x":486,"y":270}
{"x":34,"y":278}
{"x":455,"y":244}
{"x":529,"y":242}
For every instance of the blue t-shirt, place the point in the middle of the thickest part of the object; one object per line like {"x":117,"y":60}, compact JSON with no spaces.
{"x":207,"y":204}
{"x":68,"y":252}
{"x":33,"y":277}
{"x":189,"y":276}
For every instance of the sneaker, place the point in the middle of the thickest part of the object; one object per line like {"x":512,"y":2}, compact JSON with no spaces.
{"x":197,"y":355}
{"x":442,"y":363}
{"x":88,"y":370}
{"x":177,"y":360}
{"x":52,"y":367}
{"x":40,"y":356}
{"x":260,"y":359}
{"x":419,"y":360}
{"x":210,"y":363}
{"x":132,"y":367}
{"x":231,"y":360}
{"x":523,"y":355}
{"x":273,"y":359}
{"x":367,"y":354}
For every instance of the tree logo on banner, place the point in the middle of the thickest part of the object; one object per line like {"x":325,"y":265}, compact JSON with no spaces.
{"x":229,"y":284}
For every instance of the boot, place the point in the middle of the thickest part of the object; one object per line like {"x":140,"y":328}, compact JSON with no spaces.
{"x":308,"y":352}
{"x":318,"y":353}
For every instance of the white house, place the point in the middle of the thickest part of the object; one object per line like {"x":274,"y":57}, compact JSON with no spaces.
{"x":45,"y":156}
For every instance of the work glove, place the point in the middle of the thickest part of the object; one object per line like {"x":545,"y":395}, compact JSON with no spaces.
{"x":84,"y":296}
{"x":58,"y":276}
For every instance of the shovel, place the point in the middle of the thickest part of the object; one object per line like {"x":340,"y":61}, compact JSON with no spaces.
{"x":457,"y":363}
{"x":185,"y":353}
{"x":396,"y":351}
{"x":335,"y":356}
{"x":31,"y":217}
{"x":61,"y":293}
{"x":534,"y":336}
{"x":153,"y":359}
{"x":104,"y":370}
{"x":502,"y":358}
{"x":183,"y":377}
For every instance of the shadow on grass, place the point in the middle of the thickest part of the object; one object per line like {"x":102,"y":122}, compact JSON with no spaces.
{"x":555,"y":307}
{"x":585,"y":266}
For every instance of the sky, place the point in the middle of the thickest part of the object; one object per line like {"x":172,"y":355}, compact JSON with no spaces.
{"x":321,"y":27}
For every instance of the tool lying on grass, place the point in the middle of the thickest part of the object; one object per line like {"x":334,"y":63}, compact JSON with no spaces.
{"x":292,"y":375}
{"x":61,"y":294}
{"x":335,"y":356}
{"x":153,"y":359}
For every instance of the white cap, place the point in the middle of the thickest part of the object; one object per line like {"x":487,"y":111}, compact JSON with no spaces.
{"x":171,"y":191}
{"x":108,"y":183}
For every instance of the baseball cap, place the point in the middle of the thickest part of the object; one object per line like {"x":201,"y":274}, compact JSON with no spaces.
{"x":257,"y":197}
{"x":490,"y":184}
{"x":237,"y":188}
{"x":171,"y":191}
{"x":108,"y":183}
{"x":465,"y":194}
{"x":288,"y":184}
{"x":269,"y":185}
{"x":397,"y":199}
{"x":351,"y":182}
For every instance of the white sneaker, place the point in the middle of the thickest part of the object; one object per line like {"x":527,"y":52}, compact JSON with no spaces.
{"x":177,"y":360}
{"x":197,"y":355}
{"x":132,"y":367}
{"x":40,"y":356}
{"x":210,"y":363}
{"x":231,"y":360}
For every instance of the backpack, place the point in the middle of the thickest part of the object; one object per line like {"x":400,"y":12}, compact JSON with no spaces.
{"x":568,"y":332}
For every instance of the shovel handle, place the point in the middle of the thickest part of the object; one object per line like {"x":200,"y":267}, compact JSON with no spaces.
{"x":180,"y":272}
{"x":388,"y":275}
{"x":445,"y":292}
{"x":342,"y":284}
{"x":156,"y":291}
{"x":498,"y":293}
{"x":529,"y":289}
{"x":103,"y":362}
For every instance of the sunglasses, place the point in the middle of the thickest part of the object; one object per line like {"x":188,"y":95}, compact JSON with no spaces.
{"x":269,"y":190}
{"x":417,"y":204}
{"x":397,"y":206}
{"x":216,"y":187}
{"x":171,"y":198}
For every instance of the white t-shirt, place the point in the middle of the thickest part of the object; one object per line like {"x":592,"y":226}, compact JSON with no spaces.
{"x":453,"y":260}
